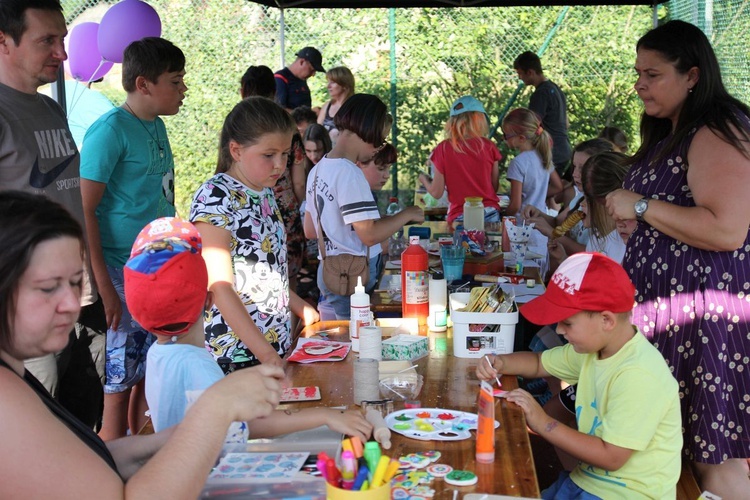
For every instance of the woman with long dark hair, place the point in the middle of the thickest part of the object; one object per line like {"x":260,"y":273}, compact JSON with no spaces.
{"x":689,"y":256}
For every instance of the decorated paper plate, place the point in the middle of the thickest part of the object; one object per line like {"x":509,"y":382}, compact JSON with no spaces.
{"x":318,"y":350}
{"x":433,"y":424}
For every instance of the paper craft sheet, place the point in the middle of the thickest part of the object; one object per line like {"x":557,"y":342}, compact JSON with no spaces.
{"x":294,"y":394}
{"x":255,"y":467}
{"x":314,"y":350}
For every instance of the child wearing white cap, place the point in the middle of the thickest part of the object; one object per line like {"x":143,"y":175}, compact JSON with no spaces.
{"x":629,"y":433}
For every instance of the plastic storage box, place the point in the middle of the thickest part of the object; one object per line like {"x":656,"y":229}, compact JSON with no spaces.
{"x":469,"y":339}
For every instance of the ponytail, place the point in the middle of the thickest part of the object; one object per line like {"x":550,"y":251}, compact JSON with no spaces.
{"x":528,"y":124}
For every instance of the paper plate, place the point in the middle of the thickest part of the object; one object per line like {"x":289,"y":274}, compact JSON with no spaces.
{"x":318,"y":350}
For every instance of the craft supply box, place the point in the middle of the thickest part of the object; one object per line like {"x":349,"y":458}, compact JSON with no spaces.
{"x":468,"y":344}
{"x":405,"y":347}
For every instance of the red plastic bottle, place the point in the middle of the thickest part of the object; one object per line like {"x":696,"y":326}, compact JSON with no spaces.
{"x":414,"y":282}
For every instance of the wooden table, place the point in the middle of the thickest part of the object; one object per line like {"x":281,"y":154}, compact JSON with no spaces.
{"x":450,"y":383}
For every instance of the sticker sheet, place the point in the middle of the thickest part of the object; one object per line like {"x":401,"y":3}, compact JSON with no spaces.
{"x":258,"y":466}
{"x":433,"y":424}
{"x":294,"y":394}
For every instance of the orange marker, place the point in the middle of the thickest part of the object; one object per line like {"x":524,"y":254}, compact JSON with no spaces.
{"x":357,"y":446}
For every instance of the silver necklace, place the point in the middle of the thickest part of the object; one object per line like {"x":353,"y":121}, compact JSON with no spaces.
{"x":156,"y":130}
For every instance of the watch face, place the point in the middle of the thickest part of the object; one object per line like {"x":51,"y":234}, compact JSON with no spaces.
{"x":640,"y":207}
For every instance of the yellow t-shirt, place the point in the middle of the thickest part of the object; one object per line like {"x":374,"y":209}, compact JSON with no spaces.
{"x":628,"y":400}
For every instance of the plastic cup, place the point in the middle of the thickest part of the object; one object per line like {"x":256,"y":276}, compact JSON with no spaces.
{"x":519,"y":248}
{"x":453,"y":257}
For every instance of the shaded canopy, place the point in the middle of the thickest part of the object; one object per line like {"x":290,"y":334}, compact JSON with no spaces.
{"x":362,"y":4}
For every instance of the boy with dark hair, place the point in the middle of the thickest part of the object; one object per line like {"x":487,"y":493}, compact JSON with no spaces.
{"x":627,"y":406}
{"x":304,"y":116}
{"x":127,"y":180}
{"x":547,"y":101}
{"x":166,"y":286}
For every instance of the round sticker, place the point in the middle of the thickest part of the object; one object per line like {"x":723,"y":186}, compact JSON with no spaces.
{"x":461,"y":478}
{"x":439,"y":470}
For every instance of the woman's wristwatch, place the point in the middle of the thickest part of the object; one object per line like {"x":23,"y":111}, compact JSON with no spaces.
{"x":640,"y":208}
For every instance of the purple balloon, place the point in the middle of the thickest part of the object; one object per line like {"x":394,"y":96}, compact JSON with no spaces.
{"x":84,"y":62}
{"x":124,"y":23}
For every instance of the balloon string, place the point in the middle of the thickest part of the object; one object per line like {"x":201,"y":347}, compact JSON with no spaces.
{"x":74,"y":100}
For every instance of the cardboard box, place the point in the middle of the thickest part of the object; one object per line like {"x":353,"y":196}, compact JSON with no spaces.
{"x":405,"y":347}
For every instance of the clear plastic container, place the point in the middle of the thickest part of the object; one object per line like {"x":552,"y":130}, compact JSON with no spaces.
{"x":474,"y":213}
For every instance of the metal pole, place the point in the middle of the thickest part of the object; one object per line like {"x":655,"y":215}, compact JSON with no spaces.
{"x":282,"y":40}
{"x":394,"y":127}
{"x":655,"y":15}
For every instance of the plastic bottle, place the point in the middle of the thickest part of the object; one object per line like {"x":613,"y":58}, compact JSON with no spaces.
{"x":393,"y":208}
{"x":474,"y":213}
{"x":437,"y":321}
{"x":415,"y":282}
{"x":360,"y":313}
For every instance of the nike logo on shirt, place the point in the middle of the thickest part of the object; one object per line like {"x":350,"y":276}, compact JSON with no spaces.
{"x":40,"y":180}
{"x":54,"y":143}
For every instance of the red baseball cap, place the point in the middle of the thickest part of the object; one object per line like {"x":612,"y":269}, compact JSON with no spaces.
{"x":165,"y":278}
{"x":586,"y":281}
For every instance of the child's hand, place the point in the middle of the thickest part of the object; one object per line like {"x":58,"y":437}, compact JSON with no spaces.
{"x":536,"y":418}
{"x":416,"y":214}
{"x":529,"y":212}
{"x":484,"y":372}
{"x":540,"y":224}
{"x":310,"y":315}
{"x":349,"y":422}
{"x":268,"y":356}
{"x":556,"y":253}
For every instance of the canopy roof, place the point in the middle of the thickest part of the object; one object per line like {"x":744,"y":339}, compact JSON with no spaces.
{"x":361,"y":4}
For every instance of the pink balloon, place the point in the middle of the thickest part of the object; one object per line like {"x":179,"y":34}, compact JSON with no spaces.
{"x":124,"y":23}
{"x":84,"y":62}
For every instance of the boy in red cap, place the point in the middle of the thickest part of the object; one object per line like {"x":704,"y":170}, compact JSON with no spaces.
{"x":166,"y":288}
{"x":627,"y":406}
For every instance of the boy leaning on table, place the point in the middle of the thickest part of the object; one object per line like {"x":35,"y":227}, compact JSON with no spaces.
{"x":166,"y":289}
{"x":627,"y":407}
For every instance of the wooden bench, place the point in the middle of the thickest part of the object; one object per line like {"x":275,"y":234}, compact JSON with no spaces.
{"x":687,"y":486}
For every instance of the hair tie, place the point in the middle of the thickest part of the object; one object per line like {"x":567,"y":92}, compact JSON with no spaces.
{"x":539,"y":130}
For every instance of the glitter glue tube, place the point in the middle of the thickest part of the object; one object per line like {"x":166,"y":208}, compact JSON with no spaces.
{"x":486,"y":425}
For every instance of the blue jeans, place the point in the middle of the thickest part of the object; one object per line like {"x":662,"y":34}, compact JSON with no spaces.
{"x":340,"y":303}
{"x":565,"y":489}
{"x":491,"y":214}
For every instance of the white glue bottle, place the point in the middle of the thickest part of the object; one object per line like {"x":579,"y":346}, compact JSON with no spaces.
{"x":359,"y":313}
{"x":437,"y":321}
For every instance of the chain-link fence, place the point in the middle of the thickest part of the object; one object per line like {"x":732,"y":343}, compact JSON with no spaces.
{"x":417,"y":60}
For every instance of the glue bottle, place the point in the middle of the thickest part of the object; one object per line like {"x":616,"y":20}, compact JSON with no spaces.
{"x":414,"y":282}
{"x":437,"y":321}
{"x":359,"y":313}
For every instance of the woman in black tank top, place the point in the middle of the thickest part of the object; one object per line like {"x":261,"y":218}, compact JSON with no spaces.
{"x":41,"y":275}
